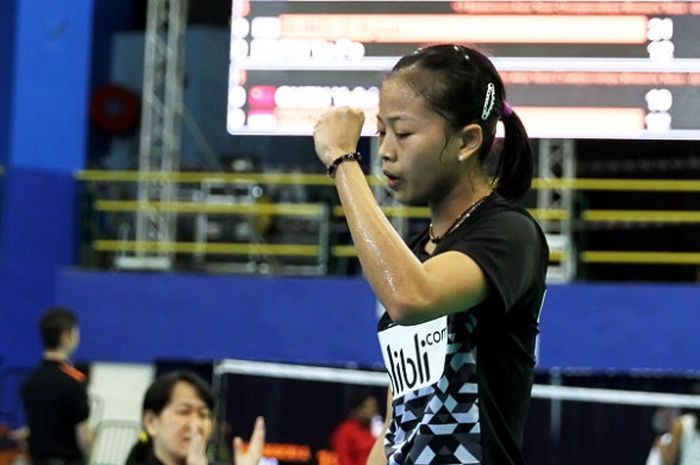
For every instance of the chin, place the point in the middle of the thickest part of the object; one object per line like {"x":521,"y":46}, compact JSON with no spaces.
{"x":409,"y":201}
{"x":181,"y":453}
{"x":406,"y":199}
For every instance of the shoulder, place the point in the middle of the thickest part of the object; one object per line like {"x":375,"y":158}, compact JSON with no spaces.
{"x":342,"y":431}
{"x":68,"y":380}
{"x":31,"y":380}
{"x":501,"y":221}
{"x":503,"y":213}
{"x":500,"y":232}
{"x":58,"y":377}
{"x":72,"y":373}
{"x":40,"y":374}
{"x":33,"y":375}
{"x":347,"y":424}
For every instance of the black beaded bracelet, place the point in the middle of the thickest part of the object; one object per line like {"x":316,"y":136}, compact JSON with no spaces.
{"x":345,"y":157}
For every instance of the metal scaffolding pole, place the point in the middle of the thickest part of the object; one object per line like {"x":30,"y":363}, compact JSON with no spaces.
{"x":161,"y":129}
{"x":557,"y":161}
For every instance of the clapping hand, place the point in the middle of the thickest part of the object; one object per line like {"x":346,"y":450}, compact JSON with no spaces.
{"x":254,"y":453}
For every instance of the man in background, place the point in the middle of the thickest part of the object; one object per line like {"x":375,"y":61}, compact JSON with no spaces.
{"x":55,"y":396}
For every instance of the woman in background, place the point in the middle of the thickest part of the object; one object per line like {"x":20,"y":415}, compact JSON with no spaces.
{"x":177,"y":420}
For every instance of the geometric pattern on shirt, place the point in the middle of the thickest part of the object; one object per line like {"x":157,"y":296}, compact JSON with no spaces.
{"x":439,"y":424}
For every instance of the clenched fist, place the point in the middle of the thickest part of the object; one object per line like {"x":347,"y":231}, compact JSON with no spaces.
{"x":337,"y":132}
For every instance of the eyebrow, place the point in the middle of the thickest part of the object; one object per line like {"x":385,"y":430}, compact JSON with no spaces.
{"x":393,"y":119}
{"x":186,"y":403}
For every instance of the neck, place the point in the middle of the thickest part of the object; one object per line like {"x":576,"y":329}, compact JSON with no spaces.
{"x":56,"y":355}
{"x":444,"y":215}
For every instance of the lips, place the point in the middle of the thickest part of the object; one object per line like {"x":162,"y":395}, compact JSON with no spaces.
{"x":392,"y":181}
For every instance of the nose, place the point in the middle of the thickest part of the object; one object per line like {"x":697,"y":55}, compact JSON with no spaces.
{"x":386,"y":150}
{"x":196,"y":424}
{"x":386,"y":157}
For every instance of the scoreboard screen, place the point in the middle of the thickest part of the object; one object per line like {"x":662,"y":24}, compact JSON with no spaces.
{"x":572,"y":69}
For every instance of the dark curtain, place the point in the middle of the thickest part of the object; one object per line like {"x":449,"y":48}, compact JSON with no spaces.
{"x":595,"y":433}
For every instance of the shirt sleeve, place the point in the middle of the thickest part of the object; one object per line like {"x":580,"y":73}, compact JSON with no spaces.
{"x":508,"y":248}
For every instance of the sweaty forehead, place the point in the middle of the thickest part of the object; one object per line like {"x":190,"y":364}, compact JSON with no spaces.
{"x":400,"y":101}
{"x":399,"y":85}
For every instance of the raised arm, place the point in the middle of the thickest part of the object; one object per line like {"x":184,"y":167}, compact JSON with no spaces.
{"x":670,"y":446}
{"x":412,"y":292}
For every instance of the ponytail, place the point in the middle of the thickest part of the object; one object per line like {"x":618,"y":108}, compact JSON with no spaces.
{"x":515,"y":165}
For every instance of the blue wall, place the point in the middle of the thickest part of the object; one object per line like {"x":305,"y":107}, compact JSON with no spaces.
{"x":52,"y":74}
{"x":47,"y":47}
{"x":139,"y":317}
{"x":628,"y":326}
{"x":7,"y":32}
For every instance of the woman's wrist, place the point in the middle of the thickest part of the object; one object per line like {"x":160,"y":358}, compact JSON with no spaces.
{"x":337,"y":161}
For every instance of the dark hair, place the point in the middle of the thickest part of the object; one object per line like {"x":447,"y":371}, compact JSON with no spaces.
{"x":157,"y":397}
{"x":462,"y":85}
{"x":358,"y":397}
{"x":54,"y":323}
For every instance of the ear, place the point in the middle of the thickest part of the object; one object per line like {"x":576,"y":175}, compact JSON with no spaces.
{"x":66,"y":338}
{"x":471,"y":137}
{"x":150,"y":423}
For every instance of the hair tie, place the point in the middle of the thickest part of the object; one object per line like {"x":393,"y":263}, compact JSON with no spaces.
{"x":507,"y":110}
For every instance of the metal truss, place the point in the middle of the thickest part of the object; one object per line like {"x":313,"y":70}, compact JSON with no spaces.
{"x":556,"y":161}
{"x":161,"y":129}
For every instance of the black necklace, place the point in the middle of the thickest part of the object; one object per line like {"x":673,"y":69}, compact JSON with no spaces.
{"x":460,"y":219}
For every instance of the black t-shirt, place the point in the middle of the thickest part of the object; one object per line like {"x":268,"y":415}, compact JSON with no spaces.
{"x":462,"y":382}
{"x":142,"y":453}
{"x":55,"y":401}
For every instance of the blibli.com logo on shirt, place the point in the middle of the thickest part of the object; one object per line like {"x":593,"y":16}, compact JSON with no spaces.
{"x":414,"y":355}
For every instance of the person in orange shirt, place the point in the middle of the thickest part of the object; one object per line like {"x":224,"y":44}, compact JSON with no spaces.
{"x":352,"y":440}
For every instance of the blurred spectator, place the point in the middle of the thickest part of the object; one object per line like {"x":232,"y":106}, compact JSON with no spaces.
{"x":55,"y":396}
{"x":682,"y":445}
{"x":176,"y":416}
{"x":354,"y":438}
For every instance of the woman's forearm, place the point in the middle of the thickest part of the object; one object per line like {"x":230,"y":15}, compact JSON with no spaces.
{"x":395,"y":274}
